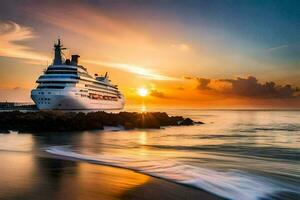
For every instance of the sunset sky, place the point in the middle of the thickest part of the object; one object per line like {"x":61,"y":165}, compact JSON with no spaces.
{"x":206,"y":54}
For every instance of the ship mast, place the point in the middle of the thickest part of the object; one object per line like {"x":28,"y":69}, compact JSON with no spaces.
{"x":57,"y":53}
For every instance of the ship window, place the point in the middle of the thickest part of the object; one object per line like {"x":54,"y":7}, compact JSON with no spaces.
{"x":51,"y":87}
{"x":50,"y":77}
{"x":61,"y":68}
{"x":60,"y":72}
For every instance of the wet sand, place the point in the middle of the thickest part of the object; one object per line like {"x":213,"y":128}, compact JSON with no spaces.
{"x":161,"y":190}
{"x":115,"y":183}
{"x":51,"y":178}
{"x":106,"y":182}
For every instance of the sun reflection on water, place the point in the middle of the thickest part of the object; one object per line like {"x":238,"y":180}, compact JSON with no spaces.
{"x":143,"y":108}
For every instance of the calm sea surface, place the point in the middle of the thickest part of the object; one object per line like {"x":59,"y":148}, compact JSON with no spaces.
{"x":240,"y":155}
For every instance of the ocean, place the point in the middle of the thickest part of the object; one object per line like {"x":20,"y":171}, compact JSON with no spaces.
{"x":236,"y":154}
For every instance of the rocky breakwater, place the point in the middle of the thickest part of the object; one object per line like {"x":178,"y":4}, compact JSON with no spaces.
{"x":49,"y":121}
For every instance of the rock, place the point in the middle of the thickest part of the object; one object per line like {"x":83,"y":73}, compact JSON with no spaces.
{"x":128,"y":126}
{"x":186,"y":122}
{"x":54,"y":121}
{"x":4,"y":131}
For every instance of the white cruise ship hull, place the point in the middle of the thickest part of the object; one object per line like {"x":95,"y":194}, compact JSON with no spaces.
{"x":67,"y":85}
{"x":54,"y":99}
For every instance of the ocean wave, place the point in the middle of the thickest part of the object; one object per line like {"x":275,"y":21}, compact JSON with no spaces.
{"x":14,"y":151}
{"x":222,"y":136}
{"x":113,"y":128}
{"x":245,"y":150}
{"x":233,"y":184}
{"x":293,"y":128}
{"x":274,"y":127}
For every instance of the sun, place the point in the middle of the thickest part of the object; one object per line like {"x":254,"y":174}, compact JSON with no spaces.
{"x":142,"y":91}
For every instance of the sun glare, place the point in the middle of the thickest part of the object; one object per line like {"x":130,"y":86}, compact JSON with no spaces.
{"x":142,"y":92}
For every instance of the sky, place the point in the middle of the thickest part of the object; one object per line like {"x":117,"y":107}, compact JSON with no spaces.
{"x":198,"y":54}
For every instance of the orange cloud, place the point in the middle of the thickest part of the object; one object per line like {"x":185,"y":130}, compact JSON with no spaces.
{"x":145,"y":73}
{"x":91,"y":23}
{"x":10,"y":33}
{"x":181,"y":47}
{"x":117,"y":39}
{"x":158,"y":94}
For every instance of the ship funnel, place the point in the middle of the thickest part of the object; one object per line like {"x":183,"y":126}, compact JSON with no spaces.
{"x":74,"y":60}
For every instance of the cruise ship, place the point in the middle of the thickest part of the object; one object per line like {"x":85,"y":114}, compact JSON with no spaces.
{"x":66,"y":85}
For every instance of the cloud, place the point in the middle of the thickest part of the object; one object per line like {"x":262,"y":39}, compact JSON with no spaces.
{"x":276,"y":48}
{"x":17,"y":88}
{"x":180,"y":88}
{"x":145,"y":73}
{"x":156,"y":93}
{"x":105,"y":31}
{"x":203,"y":83}
{"x":10,"y":34}
{"x":181,"y":47}
{"x":247,"y":87}
{"x":14,"y":94}
{"x":91,"y":23}
{"x":188,"y":77}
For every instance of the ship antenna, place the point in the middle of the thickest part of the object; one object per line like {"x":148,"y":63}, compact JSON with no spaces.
{"x":58,"y":52}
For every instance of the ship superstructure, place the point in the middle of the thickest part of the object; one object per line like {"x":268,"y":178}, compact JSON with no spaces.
{"x":66,"y":85}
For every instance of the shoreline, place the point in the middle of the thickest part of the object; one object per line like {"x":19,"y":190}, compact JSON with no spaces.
{"x":154,"y":188}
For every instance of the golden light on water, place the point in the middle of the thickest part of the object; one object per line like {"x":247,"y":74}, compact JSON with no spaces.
{"x":142,"y":91}
{"x":143,"y":108}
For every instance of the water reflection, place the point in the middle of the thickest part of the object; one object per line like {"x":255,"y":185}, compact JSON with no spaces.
{"x":233,"y":150}
{"x":28,"y":173}
{"x":107,"y":182}
{"x":17,"y":170}
{"x":234,"y":154}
